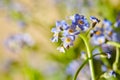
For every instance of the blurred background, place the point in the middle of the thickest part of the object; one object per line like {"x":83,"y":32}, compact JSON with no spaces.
{"x":26,"y":51}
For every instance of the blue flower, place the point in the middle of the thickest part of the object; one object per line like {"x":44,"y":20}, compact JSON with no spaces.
{"x":71,"y":31}
{"x":17,"y":41}
{"x":101,"y":34}
{"x":80,"y":21}
{"x":112,"y":73}
{"x":117,"y":23}
{"x":98,"y":39}
{"x":108,"y":49}
{"x":55,"y":37}
{"x":98,"y":36}
{"x":60,"y":26}
{"x":107,"y":23}
{"x":68,"y":41}
{"x":116,"y":37}
{"x":107,"y":27}
{"x":13,"y":43}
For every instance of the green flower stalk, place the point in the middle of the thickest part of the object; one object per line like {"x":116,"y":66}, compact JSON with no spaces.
{"x":84,"y":38}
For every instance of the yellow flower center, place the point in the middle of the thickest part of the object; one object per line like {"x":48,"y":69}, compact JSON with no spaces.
{"x":80,"y":22}
{"x":98,"y":33}
{"x":70,"y":30}
{"x":68,"y":40}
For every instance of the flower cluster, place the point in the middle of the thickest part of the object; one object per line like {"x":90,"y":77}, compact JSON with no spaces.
{"x":67,"y":33}
{"x":18,"y":41}
{"x":98,"y":35}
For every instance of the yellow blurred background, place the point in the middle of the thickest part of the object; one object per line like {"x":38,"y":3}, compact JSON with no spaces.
{"x":40,"y":17}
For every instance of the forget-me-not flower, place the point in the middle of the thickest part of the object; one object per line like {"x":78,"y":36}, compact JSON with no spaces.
{"x":80,"y":21}
{"x":60,"y":26}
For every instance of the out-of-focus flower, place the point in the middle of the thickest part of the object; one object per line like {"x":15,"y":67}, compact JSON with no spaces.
{"x":55,"y":37}
{"x":117,"y":23}
{"x":80,"y":21}
{"x":99,"y":35}
{"x":107,"y":27}
{"x":27,"y":39}
{"x":107,"y":24}
{"x":17,"y":41}
{"x":104,"y":68}
{"x":17,"y":7}
{"x":102,"y":34}
{"x":98,"y":40}
{"x":22,"y":24}
{"x":112,"y":73}
{"x":108,"y":49}
{"x":116,"y":37}
{"x":72,"y":68}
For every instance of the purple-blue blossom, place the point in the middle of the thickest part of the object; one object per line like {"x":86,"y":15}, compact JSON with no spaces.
{"x":16,"y":42}
{"x":60,"y":26}
{"x":71,"y":31}
{"x":68,"y":41}
{"x":80,"y":21}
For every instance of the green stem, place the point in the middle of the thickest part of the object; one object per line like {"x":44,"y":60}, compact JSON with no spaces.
{"x":84,"y":38}
{"x":83,"y":64}
{"x":79,"y":69}
{"x":113,"y":44}
{"x":115,"y":64}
